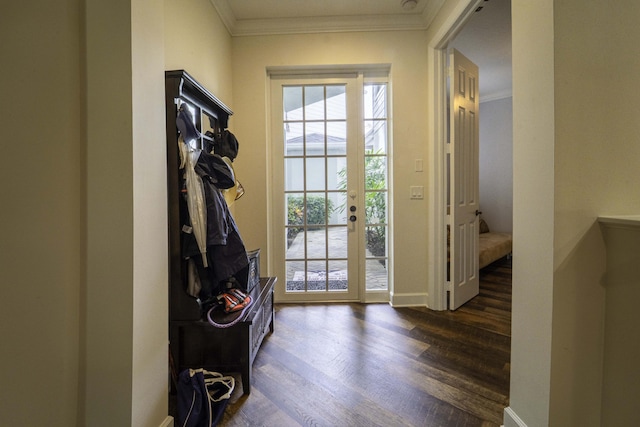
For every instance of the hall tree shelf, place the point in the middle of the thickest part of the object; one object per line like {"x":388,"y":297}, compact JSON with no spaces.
{"x":194,"y":342}
{"x":621,"y":375}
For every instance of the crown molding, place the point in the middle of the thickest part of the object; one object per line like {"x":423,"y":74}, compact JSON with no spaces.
{"x":225,"y":13}
{"x":496,"y":95}
{"x":330,"y":24}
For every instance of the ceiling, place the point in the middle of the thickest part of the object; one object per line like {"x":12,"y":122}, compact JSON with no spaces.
{"x":485,"y":38}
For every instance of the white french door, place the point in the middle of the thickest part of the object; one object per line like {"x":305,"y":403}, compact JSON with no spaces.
{"x":464,"y":175}
{"x":329,"y":188}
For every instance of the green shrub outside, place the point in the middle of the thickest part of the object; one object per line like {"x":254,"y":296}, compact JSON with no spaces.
{"x":317,"y":210}
{"x":375,"y":201}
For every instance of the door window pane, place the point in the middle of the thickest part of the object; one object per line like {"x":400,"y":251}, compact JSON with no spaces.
{"x":375,"y":140}
{"x":314,"y":139}
{"x":295,"y":214}
{"x":375,"y":172}
{"x":295,"y":276}
{"x":376,"y":275}
{"x":316,"y":209}
{"x":376,"y":237}
{"x":294,"y":174}
{"x":314,"y":102}
{"x":316,"y":243}
{"x":337,"y":138}
{"x":336,"y":102}
{"x":337,"y":242}
{"x":315,"y":174}
{"x":292,"y":102}
{"x":337,"y":207}
{"x":376,"y":207}
{"x":375,"y":101}
{"x":316,"y":275}
{"x":294,"y":142}
{"x":337,"y":277}
{"x":337,"y":173}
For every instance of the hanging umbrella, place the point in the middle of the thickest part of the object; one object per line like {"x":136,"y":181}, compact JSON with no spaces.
{"x":196,"y":205}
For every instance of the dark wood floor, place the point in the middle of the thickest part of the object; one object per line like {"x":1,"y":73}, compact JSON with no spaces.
{"x":373,"y":365}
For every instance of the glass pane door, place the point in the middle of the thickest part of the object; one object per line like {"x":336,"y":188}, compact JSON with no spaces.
{"x":376,"y":186}
{"x":315,"y":176}
{"x":330,"y":189}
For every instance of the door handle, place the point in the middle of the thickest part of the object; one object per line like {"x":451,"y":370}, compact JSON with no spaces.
{"x":478,"y":212}
{"x":352,"y":218}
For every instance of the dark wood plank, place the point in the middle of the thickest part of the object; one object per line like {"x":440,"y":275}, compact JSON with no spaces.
{"x":373,"y":365}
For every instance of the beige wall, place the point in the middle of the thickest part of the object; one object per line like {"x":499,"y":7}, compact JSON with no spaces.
{"x":84,"y":266}
{"x":108,"y":304}
{"x":123,"y":377}
{"x":621,"y":376}
{"x":575,"y":157}
{"x":597,"y":153}
{"x":533,"y":216}
{"x":197,"y":41}
{"x":41,"y":245}
{"x":406,"y":52}
{"x":496,"y":163}
{"x":150,"y":270}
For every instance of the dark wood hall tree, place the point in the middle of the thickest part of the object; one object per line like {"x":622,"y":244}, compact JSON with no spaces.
{"x":193,"y":341}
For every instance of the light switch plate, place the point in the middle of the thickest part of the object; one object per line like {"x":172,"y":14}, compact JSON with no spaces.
{"x":416,"y":192}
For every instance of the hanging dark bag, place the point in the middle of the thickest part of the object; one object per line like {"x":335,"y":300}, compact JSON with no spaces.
{"x":202,"y":397}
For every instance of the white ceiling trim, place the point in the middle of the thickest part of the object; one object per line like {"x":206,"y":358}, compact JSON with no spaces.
{"x":288,"y":71}
{"x":272,"y":26}
{"x":496,"y":96}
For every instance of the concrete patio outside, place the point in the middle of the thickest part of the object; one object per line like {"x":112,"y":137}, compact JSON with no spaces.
{"x":376,"y":273}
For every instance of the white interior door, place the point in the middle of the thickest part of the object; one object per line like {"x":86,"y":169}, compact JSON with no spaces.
{"x":464,"y":190}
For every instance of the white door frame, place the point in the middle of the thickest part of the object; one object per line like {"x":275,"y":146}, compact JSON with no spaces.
{"x":352,"y":83}
{"x":442,"y":34}
{"x":363,"y":73}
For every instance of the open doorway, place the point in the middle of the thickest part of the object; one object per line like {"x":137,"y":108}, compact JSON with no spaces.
{"x":482,"y":31}
{"x":486,"y":40}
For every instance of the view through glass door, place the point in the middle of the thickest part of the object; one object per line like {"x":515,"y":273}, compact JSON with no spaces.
{"x":331,"y":140}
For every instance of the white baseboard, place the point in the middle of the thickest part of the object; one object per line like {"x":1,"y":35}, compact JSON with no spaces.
{"x":511,"y":419}
{"x":168,"y":422}
{"x":408,"y":300}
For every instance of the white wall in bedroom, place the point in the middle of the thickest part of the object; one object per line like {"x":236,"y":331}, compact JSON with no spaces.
{"x":496,"y":164}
